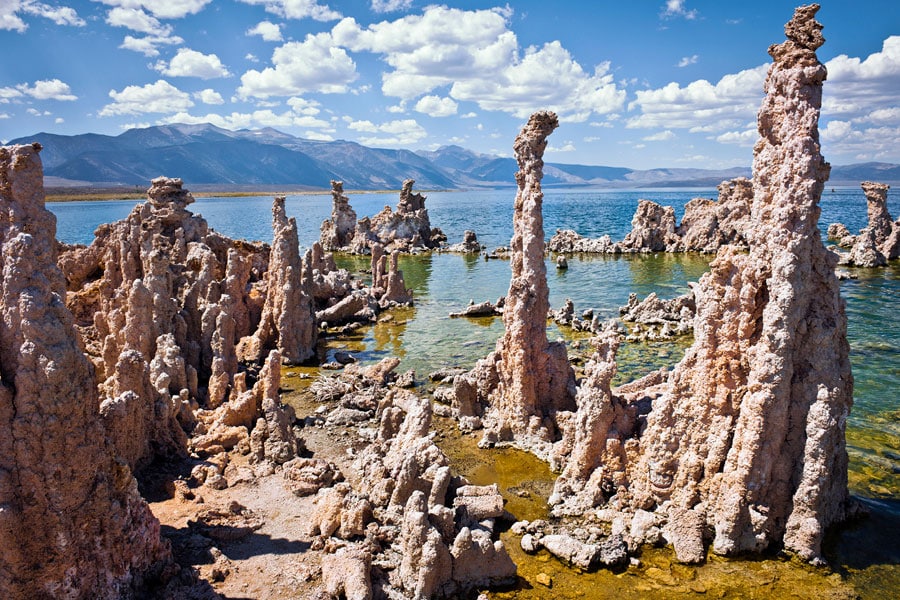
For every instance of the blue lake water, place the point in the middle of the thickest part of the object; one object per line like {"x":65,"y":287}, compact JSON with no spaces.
{"x":425,"y":338}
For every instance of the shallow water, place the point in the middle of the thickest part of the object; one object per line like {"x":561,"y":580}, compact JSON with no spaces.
{"x":866,"y":554}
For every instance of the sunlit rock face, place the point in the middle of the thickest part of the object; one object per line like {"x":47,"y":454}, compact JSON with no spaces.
{"x":169,"y":311}
{"x":72,"y":524}
{"x":406,"y":229}
{"x":527,"y":379}
{"x":879,"y":242}
{"x":744,"y":445}
{"x":337,"y":232}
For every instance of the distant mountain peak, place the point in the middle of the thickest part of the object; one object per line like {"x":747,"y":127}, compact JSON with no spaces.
{"x":203,"y":153}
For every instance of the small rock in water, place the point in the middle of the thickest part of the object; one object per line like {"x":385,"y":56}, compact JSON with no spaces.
{"x":562,"y":263}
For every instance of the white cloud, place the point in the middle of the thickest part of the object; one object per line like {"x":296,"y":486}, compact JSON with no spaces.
{"x":479,"y":58}
{"x":732,"y":101}
{"x":385,"y":6}
{"x":468,"y":115}
{"x":675,"y":8}
{"x":164,"y":9}
{"x":744,"y":138}
{"x":397,"y":108}
{"x":11,"y":20}
{"x":313,"y":65}
{"x":302,"y":106}
{"x":255,"y":119}
{"x":136,"y":19}
{"x":159,"y":97}
{"x":47,"y":89}
{"x":209,"y":96}
{"x":268,"y":31}
{"x":5,"y":116}
{"x":688,"y":61}
{"x":402,"y":132}
{"x":566,"y":147}
{"x":190,"y":63}
{"x":435,"y":106}
{"x":251,"y":57}
{"x":59,"y":120}
{"x":662,"y":136}
{"x":297,"y":9}
{"x":148,"y":45}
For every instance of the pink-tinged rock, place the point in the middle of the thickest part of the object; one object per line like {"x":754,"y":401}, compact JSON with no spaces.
{"x":337,"y":233}
{"x":534,"y":379}
{"x":72,"y":524}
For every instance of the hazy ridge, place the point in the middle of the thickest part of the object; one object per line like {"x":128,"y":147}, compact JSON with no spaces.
{"x":211,"y":156}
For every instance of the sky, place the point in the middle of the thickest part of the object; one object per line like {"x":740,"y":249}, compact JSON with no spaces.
{"x":639,"y":84}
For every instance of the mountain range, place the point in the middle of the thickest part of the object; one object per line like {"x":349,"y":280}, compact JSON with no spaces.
{"x":207,"y":156}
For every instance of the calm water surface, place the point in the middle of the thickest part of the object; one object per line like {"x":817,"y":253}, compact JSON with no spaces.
{"x":866,"y":554}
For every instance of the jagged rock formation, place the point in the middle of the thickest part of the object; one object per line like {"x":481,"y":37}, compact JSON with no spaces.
{"x":72,"y":524}
{"x":337,"y":233}
{"x":706,"y":226}
{"x":660,"y":318}
{"x":430,"y":533}
{"x":527,"y":378}
{"x":745,"y":445}
{"x":408,"y":229}
{"x":469,"y":245}
{"x":169,"y":310}
{"x":879,"y":241}
{"x":287,"y":322}
{"x":652,"y":228}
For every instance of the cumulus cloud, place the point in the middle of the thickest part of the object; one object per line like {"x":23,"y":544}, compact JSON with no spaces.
{"x":701,"y":105}
{"x":209,"y":96}
{"x":390,"y":134}
{"x":148,"y":46}
{"x":297,"y":9}
{"x":478,"y":57}
{"x":43,"y":89}
{"x":251,"y":120}
{"x":435,"y":106}
{"x":163,"y":9}
{"x":190,"y":63}
{"x":745,"y":138}
{"x":143,"y":16}
{"x":136,"y":19}
{"x":159,"y":97}
{"x":385,"y":6}
{"x":688,"y":61}
{"x":11,"y":11}
{"x":313,"y":65}
{"x":662,"y":136}
{"x":675,"y":8}
{"x":268,"y":31}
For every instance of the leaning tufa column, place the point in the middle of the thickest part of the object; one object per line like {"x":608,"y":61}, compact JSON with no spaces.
{"x":748,"y":443}
{"x":535,"y":379}
{"x":72,"y":524}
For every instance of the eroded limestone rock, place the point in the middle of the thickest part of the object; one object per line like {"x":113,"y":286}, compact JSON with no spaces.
{"x":337,"y":233}
{"x":527,"y":378}
{"x":72,"y":523}
{"x":746,"y":441}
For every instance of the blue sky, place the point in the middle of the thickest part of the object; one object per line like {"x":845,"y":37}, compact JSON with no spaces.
{"x":649,"y":83}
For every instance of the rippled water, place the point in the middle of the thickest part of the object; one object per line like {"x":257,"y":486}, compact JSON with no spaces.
{"x":425,"y":338}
